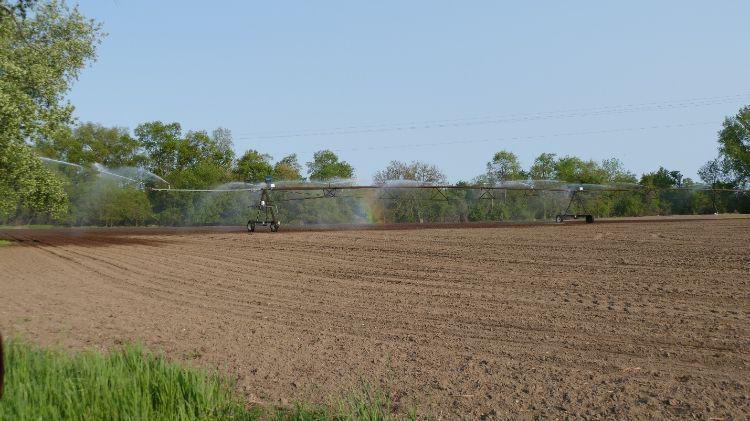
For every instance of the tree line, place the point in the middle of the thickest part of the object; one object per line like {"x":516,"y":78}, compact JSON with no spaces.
{"x":43,"y":47}
{"x":203,"y":160}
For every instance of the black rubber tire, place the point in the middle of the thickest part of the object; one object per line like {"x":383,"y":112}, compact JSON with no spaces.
{"x":274,"y":227}
{"x":559,"y":219}
{"x":589,"y":219}
{"x":250,"y":226}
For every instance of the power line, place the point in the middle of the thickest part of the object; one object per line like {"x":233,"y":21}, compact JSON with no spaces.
{"x":475,"y":121}
{"x":519,"y":138}
{"x":711,"y":100}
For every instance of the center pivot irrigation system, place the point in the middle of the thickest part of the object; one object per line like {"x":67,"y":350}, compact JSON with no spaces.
{"x":267,"y":214}
{"x":267,"y":211}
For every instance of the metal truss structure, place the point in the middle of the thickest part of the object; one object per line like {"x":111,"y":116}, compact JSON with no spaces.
{"x":267,"y":211}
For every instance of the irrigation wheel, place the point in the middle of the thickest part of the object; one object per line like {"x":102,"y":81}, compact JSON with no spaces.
{"x":559,"y":219}
{"x":250,"y":226}
{"x":589,"y":219}
{"x":275,"y":227}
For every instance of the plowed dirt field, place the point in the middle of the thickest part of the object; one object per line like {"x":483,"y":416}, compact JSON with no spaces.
{"x":604,"y":320}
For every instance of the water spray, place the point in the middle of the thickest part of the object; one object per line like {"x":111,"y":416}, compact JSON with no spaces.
{"x":57,"y":161}
{"x":101,"y":169}
{"x":575,"y":210}
{"x":141,"y":173}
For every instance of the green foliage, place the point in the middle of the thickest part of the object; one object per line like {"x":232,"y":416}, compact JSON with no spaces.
{"x":413,"y":205}
{"x":39,"y":63}
{"x":734,"y":145}
{"x":616,"y":172}
{"x":43,"y":47}
{"x":25,"y":184}
{"x":133,"y":207}
{"x":93,"y":143}
{"x":200,"y":160}
{"x":662,"y":179}
{"x":195,"y":160}
{"x":253,"y":166}
{"x":416,"y":171}
{"x":161,"y":143}
{"x":199,"y":163}
{"x":714,"y":173}
{"x":731,"y":169}
{"x":198,"y":148}
{"x":98,"y":201}
{"x":288,"y":169}
{"x":544,"y":167}
{"x":504,"y":166}
{"x":168,"y":151}
{"x":326,"y":166}
{"x":125,"y":384}
{"x":39,"y":56}
{"x":221,"y":148}
{"x":369,"y":404}
{"x":575,"y":170}
{"x":630,"y":204}
{"x":131,"y":383}
{"x":335,"y":210}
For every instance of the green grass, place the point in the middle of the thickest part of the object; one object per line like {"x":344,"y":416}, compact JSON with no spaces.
{"x":126,"y":384}
{"x":366,"y":404}
{"x":133,"y":384}
{"x":5,"y":243}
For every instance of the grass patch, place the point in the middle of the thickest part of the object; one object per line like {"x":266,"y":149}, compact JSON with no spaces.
{"x":366,"y":404}
{"x":131,"y":383}
{"x":125,"y":384}
{"x":4,"y":243}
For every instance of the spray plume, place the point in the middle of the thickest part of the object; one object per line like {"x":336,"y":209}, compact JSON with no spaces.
{"x":57,"y":161}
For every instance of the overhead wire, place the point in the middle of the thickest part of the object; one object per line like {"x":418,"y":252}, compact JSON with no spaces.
{"x":474,"y":121}
{"x":518,"y":138}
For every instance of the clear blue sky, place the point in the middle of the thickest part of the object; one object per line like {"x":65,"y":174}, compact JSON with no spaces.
{"x":286,"y":67}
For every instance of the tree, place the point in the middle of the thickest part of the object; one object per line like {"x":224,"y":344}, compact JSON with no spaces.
{"x":161,"y":143}
{"x":89,"y":143}
{"x":661,"y":179}
{"x":656,"y":200}
{"x":326,"y":166}
{"x":714,"y":173}
{"x":416,"y":171}
{"x":543,"y":167}
{"x":411,"y":205}
{"x":26,"y":184}
{"x":40,"y":55}
{"x":504,"y":167}
{"x":253,"y":166}
{"x":199,"y":148}
{"x":288,"y":169}
{"x":222,"y":149}
{"x":734,"y":145}
{"x":168,"y":151}
{"x":575,"y":170}
{"x":132,"y":206}
{"x":616,"y":172}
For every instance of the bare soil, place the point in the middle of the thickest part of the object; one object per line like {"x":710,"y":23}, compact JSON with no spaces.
{"x":608,"y":320}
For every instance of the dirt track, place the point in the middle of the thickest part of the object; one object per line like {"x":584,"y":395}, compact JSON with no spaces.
{"x":608,"y":320}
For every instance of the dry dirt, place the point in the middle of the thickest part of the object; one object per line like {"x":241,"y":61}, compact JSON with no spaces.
{"x":610,"y":320}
